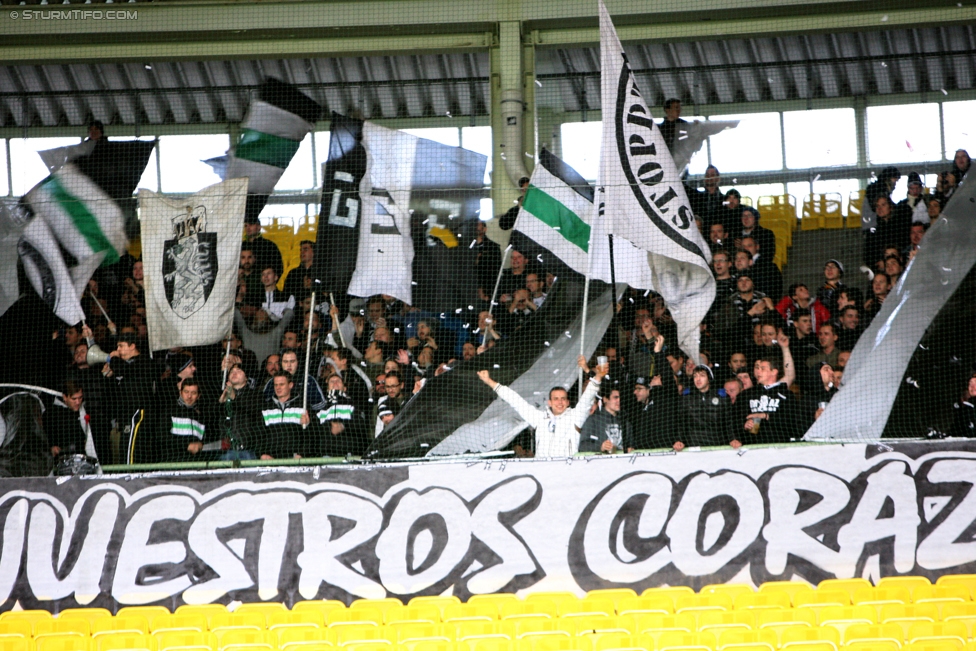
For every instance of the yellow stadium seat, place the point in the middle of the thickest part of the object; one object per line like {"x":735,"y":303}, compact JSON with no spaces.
{"x":185,"y":640}
{"x":441,"y":603}
{"x":685,"y":641}
{"x":909,"y":582}
{"x":822,"y":211}
{"x":552,"y":643}
{"x":733,"y":590}
{"x":594,"y":624}
{"x":191,"y":622}
{"x":56,"y":626}
{"x":494,"y":599}
{"x":399,"y":632}
{"x":303,"y":638}
{"x":790,"y":588}
{"x":727,"y":619}
{"x":295,"y":618}
{"x":355,"y":616}
{"x":428,"y":645}
{"x":819,"y":599}
{"x":850,"y":586}
{"x":25,"y":615}
{"x":872,"y":645}
{"x":799,"y":637}
{"x":227,"y":621}
{"x":22,"y":627}
{"x":376,"y":645}
{"x":652,"y":623}
{"x":518,"y":628}
{"x":806,"y":646}
{"x":762,"y":601}
{"x":90,"y":614}
{"x":263,"y":608}
{"x":587,"y":606}
{"x":362,"y":633}
{"x":749,"y":647}
{"x":735,"y":638}
{"x":617,"y":642}
{"x":874,"y":633}
{"x":840,"y":617}
{"x":124,"y":642}
{"x":324,"y":606}
{"x":55,"y":643}
{"x":493,"y":643}
{"x":555,"y":597}
{"x":231,"y":638}
{"x":965,"y":613}
{"x":613,"y":594}
{"x":905,"y":616}
{"x":703,"y":602}
{"x":777,"y":620}
{"x":131,"y":624}
{"x":421,"y":613}
{"x":940,"y":594}
{"x":534,"y":608}
{"x":477,"y":611}
{"x":855,"y":209}
{"x":22,"y":644}
{"x":149,"y":612}
{"x":381,"y":605}
{"x":934,"y":645}
{"x":464,"y":628}
{"x":939,"y":632}
{"x":966,"y":580}
{"x":206,"y":610}
{"x":672,"y":592}
{"x":662,"y":604}
{"x":882,"y":596}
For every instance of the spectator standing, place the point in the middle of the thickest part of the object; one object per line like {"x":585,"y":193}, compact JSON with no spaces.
{"x":68,"y":425}
{"x":799,"y":298}
{"x":298,"y":282}
{"x":849,"y":327}
{"x":343,"y":425}
{"x":182,"y":427}
{"x":890,"y":230}
{"x":277,"y":430}
{"x":671,"y":123}
{"x":705,"y":410}
{"x":266,"y":252}
{"x":605,"y":430}
{"x":964,"y":416}
{"x":832,"y":285}
{"x":133,"y":395}
{"x":750,"y":227}
{"x":766,"y":413}
{"x":557,"y":427}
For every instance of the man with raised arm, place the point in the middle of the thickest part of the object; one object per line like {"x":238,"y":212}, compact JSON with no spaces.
{"x":557,"y":428}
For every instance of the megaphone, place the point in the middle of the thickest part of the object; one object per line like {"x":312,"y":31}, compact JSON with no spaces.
{"x":96,"y":355}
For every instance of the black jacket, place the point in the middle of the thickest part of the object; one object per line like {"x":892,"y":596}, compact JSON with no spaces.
{"x":785,"y":418}
{"x":706,"y":417}
{"x":277,"y":431}
{"x":354,"y":437}
{"x":600,"y":427}
{"x":64,"y":428}
{"x":658,"y":423}
{"x":177,"y":427}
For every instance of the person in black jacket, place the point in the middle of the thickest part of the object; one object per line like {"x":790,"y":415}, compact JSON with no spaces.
{"x":605,"y":430}
{"x":182,"y":427}
{"x":767,"y":412}
{"x":240,"y":402}
{"x":67,"y":424}
{"x":343,"y":424}
{"x":278,"y":431}
{"x":656,"y":422}
{"x":891,"y":230}
{"x":705,"y":411}
{"x":133,"y":394}
{"x":964,"y":418}
{"x":750,"y":227}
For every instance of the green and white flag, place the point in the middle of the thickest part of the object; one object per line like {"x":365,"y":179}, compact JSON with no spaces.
{"x":86,"y":221}
{"x":553,"y":225}
{"x":48,"y":274}
{"x":273,"y":129}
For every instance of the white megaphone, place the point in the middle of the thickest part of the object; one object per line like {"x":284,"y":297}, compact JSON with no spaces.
{"x":96,"y":355}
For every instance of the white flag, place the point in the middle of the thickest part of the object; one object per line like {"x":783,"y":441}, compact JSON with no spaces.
{"x":12,"y":222}
{"x":190,"y":251}
{"x":643,"y":202}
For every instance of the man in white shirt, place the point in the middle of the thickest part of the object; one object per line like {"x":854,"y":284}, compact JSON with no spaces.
{"x":557,"y":428}
{"x":275,"y":301}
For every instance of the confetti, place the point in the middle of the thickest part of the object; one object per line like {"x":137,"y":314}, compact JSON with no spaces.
{"x":539,"y":83}
{"x":396,"y":330}
{"x":944,"y":91}
{"x":555,"y":371}
{"x":495,"y":366}
{"x":884,"y":18}
{"x":547,"y":344}
{"x":816,"y":178}
{"x":473,"y":242}
{"x":457,"y":311}
{"x":448,"y":114}
{"x":425,"y":221}
{"x":569,"y":335}
{"x":471,"y":307}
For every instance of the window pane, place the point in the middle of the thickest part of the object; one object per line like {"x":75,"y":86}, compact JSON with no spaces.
{"x":181,"y":157}
{"x":753,"y":146}
{"x":699,"y":162}
{"x":443,"y":135}
{"x":298,"y":175}
{"x":478,"y":139}
{"x":287,"y":213}
{"x":26,"y":166}
{"x":581,"y":147}
{"x":843,"y":187}
{"x":485,"y":213}
{"x":4,"y":188}
{"x":751,"y":193}
{"x":820,"y":138}
{"x":904,"y":133}
{"x":960,"y":131}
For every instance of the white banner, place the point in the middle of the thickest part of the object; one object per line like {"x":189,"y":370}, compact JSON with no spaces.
{"x":806,"y":512}
{"x":191,"y":250}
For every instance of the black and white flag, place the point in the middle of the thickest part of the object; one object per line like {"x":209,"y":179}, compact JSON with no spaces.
{"x":190,"y":252}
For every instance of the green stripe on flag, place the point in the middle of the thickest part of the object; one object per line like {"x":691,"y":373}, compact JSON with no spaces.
{"x":556,"y":215}
{"x":265,"y":148}
{"x":83,"y":219}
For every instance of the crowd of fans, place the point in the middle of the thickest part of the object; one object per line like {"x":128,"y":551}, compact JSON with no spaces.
{"x":771,"y":357}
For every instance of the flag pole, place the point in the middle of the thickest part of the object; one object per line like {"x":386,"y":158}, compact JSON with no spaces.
{"x":342,"y":339}
{"x":613,"y":273}
{"x":308,"y":356}
{"x":498,"y":280}
{"x":226,"y":355}
{"x":104,"y":313}
{"x":598,"y":208}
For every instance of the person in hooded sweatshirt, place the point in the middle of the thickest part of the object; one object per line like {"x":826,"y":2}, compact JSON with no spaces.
{"x":705,"y":410}
{"x":343,"y":425}
{"x":605,"y":430}
{"x":557,"y":428}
